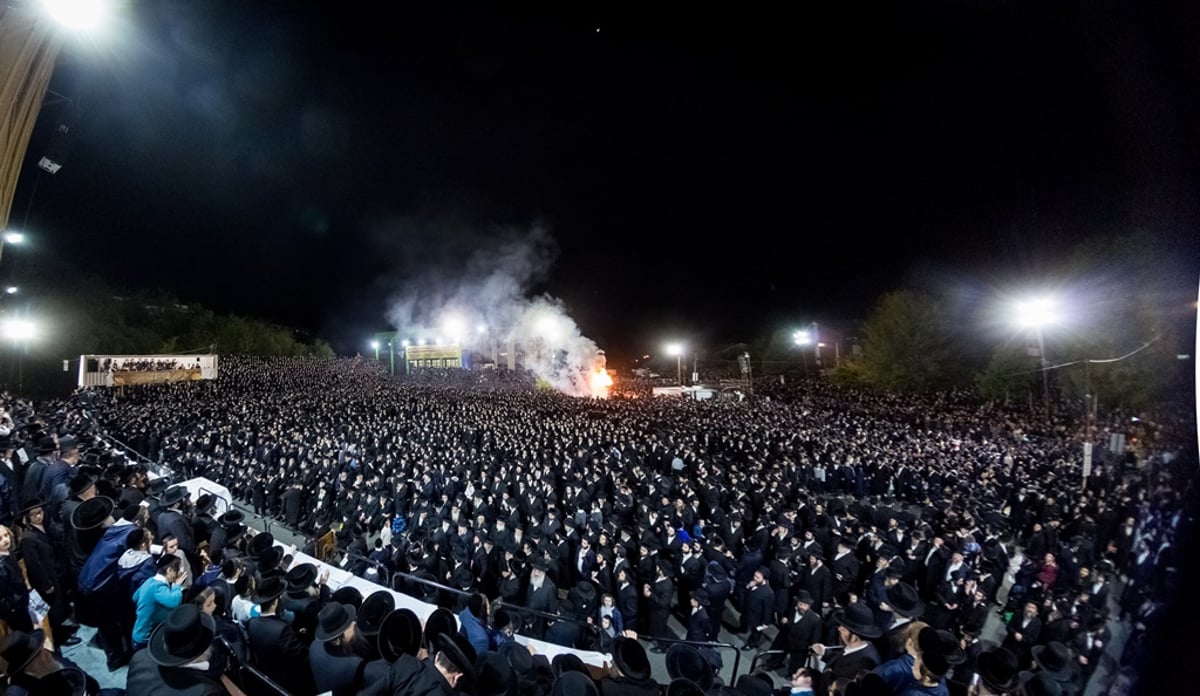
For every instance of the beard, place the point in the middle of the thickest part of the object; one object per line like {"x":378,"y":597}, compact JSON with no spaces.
{"x":537,"y":584}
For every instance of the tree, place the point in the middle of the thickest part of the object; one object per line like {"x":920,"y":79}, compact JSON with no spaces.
{"x":1011,"y":372}
{"x":907,"y":345}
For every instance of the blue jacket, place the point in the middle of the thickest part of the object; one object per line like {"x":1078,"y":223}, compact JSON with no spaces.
{"x":898,"y":675}
{"x":477,"y":634}
{"x":99,"y":573}
{"x":154,"y":599}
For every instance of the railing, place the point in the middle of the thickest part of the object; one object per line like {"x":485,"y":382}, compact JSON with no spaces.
{"x":698,"y":644}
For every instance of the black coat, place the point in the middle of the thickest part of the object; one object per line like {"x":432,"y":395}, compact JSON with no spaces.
{"x":820,"y":585}
{"x":848,"y":666}
{"x":41,"y":564}
{"x":760,"y":606}
{"x":147,"y":677}
{"x":278,"y":652}
{"x":699,"y":626}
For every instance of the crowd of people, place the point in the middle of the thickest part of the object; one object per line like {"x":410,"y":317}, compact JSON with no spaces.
{"x":858,"y":541}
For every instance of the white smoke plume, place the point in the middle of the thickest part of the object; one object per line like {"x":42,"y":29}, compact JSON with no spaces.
{"x":483,"y":295}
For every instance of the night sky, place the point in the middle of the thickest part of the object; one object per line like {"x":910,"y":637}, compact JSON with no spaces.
{"x":708,"y":174}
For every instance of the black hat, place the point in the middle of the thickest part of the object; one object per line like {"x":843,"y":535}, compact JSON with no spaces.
{"x":904,"y":601}
{"x":184,"y":636}
{"x":998,"y":669}
{"x":869,"y":684}
{"x":349,"y":594}
{"x":574,"y":684}
{"x":685,"y":661}
{"x":301,"y":576}
{"x":518,"y":658}
{"x":631,"y":658}
{"x":858,"y":619}
{"x":680,"y":686}
{"x":80,"y":483}
{"x":35,"y":503}
{"x":333,"y":620}
{"x":207,"y":502}
{"x":91,"y":513}
{"x":538,"y":562}
{"x":440,"y":621}
{"x":19,"y":648}
{"x":494,"y":676}
{"x":269,"y":590}
{"x":702,"y":597}
{"x":803,"y":597}
{"x":1039,"y":684}
{"x":46,"y":445}
{"x":375,"y":608}
{"x":231,"y":519}
{"x":567,"y":662}
{"x":173,"y":495}
{"x":260,"y":543}
{"x":400,"y":634}
{"x":156,"y":486}
{"x":1055,"y":659}
{"x":269,"y":559}
{"x":453,"y":650}
{"x":755,"y":685}
{"x":931,"y":640}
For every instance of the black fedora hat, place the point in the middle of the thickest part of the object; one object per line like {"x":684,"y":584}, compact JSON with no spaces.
{"x":441,"y":622}
{"x":998,"y":669}
{"x":207,"y":502}
{"x":803,"y":597}
{"x":494,"y":676}
{"x":333,"y":620}
{"x":1038,"y":684}
{"x":270,"y":589}
{"x":91,"y":513}
{"x":374,"y":609}
{"x":34,"y":503}
{"x":46,"y":445}
{"x":182,"y":637}
{"x":685,"y":661}
{"x":1055,"y":659}
{"x":19,"y":648}
{"x":349,"y":594}
{"x":931,"y":640}
{"x":519,"y":659}
{"x":231,"y":519}
{"x":269,"y":559}
{"x":681,"y":686}
{"x":453,"y":650}
{"x":631,"y":658}
{"x":904,"y":600}
{"x":301,"y":576}
{"x":858,"y":619}
{"x":572,"y":683}
{"x":400,"y":634}
{"x":79,"y":483}
{"x":260,"y":543}
{"x":174,"y":494}
{"x":567,"y":662}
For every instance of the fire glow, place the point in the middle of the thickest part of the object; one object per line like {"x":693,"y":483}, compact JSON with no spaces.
{"x":600,"y":382}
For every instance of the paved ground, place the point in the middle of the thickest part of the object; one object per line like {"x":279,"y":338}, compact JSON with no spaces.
{"x":92,"y":660}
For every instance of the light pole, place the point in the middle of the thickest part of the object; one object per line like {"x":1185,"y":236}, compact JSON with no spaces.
{"x":676,"y":349}
{"x":1035,"y":314}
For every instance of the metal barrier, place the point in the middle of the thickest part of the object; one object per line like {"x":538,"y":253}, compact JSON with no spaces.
{"x":699,"y":644}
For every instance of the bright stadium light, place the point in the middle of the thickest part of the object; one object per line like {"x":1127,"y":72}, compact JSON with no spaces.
{"x":85,"y":16}
{"x":12,"y":290}
{"x":14,"y":237}
{"x":1037,"y":312}
{"x":676,"y":349}
{"x":802,"y":338}
{"x":374,"y":345}
{"x":18,"y":330}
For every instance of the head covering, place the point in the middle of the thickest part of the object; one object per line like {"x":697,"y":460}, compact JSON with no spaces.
{"x":631,"y":658}
{"x":184,"y":636}
{"x":79,"y":483}
{"x":904,"y":600}
{"x":349,"y":594}
{"x":567,"y":662}
{"x":574,"y":684}
{"x":333,"y":620}
{"x":269,"y":589}
{"x":174,"y":495}
{"x":375,"y":608}
{"x":91,"y":513}
{"x":453,"y":650}
{"x":1054,"y":659}
{"x":685,"y":661}
{"x":46,"y":445}
{"x":441,"y":621}
{"x":859,"y":620}
{"x":400,"y":634}
{"x":684,"y":687}
{"x":998,"y":669}
{"x":19,"y":648}
{"x":494,"y":676}
{"x":301,"y":577}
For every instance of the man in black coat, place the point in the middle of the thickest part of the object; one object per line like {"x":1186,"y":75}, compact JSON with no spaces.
{"x":304,"y":599}
{"x":275,"y":646}
{"x":699,"y":623}
{"x":542,"y":595}
{"x":819,"y":582}
{"x":660,"y":596}
{"x":856,"y":628}
{"x":798,"y":631}
{"x":845,"y":568}
{"x":759,"y":608}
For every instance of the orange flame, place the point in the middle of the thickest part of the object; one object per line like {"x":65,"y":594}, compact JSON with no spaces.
{"x":600,"y":382}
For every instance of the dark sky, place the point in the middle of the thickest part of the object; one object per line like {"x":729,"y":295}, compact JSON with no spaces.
{"x":700,"y":173}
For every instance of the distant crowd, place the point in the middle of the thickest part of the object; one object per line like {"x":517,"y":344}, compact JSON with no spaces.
{"x":858,"y":541}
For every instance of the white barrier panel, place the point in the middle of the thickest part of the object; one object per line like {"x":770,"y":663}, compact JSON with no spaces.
{"x":339,"y":578}
{"x":199,"y":486}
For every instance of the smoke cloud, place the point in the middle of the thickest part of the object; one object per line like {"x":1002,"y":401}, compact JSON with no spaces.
{"x":478,"y":290}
